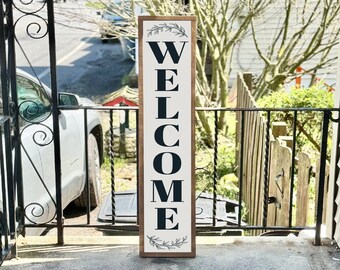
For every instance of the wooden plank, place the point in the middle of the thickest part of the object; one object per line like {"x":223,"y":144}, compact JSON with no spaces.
{"x":241,"y":97}
{"x":272,"y":192}
{"x":258,"y":138}
{"x":245,"y":147}
{"x":303,"y":179}
{"x":246,"y":163}
{"x":252,"y":151}
{"x":279,"y":184}
{"x":279,"y":129}
{"x":248,"y":80}
{"x":285,"y":158}
{"x":256,"y":152}
{"x":259,"y":172}
{"x":325,"y":194}
{"x":286,"y":140}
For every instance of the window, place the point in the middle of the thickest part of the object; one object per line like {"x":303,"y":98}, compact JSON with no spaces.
{"x":34,"y":103}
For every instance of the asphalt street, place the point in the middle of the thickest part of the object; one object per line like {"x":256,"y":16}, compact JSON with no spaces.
{"x":85,"y":65}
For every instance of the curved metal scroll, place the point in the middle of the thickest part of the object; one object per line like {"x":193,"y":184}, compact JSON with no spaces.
{"x":31,"y":112}
{"x":36,"y":209}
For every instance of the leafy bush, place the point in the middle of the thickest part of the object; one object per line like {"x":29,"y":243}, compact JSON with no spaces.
{"x":308,"y":122}
{"x":313,"y":97}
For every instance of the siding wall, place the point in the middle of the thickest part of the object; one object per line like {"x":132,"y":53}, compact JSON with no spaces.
{"x":245,"y":57}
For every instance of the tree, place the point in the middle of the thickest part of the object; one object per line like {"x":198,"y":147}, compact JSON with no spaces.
{"x":221,"y":24}
{"x":307,"y":29}
{"x":308,"y":124}
{"x":306,"y":32}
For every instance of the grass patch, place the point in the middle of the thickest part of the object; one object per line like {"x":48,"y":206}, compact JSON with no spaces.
{"x":125,"y":177}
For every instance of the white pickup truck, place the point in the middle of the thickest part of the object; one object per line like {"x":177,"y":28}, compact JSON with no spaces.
{"x":35,"y":120}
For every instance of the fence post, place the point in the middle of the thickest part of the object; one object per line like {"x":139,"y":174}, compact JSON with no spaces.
{"x":279,"y":129}
{"x":323,"y":154}
{"x":248,"y":79}
{"x":327,"y":172}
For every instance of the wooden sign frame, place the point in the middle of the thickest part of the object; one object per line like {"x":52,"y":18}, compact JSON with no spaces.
{"x":166,"y":55}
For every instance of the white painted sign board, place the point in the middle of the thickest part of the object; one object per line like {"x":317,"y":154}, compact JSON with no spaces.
{"x":166,"y":136}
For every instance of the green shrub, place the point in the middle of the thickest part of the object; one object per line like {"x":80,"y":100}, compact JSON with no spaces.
{"x":313,"y":97}
{"x":309,"y":123}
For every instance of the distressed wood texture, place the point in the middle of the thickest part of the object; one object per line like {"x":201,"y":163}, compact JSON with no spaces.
{"x":253,"y":154}
{"x":279,"y":184}
{"x":325,"y":194}
{"x":279,"y":168}
{"x":304,"y":168}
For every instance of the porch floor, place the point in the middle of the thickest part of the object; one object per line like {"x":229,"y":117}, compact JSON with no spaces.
{"x":112,"y":252}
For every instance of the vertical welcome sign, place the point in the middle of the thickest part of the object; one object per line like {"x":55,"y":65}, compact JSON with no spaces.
{"x":166,"y":136}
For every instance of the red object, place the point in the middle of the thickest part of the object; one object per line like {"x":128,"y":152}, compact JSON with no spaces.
{"x":298,"y":79}
{"x":125,"y":95}
{"x":119,"y":100}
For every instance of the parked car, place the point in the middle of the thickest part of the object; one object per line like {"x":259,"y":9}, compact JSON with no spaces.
{"x":35,"y":120}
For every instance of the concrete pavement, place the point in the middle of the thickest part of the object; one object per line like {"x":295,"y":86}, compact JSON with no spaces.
{"x":215,"y":253}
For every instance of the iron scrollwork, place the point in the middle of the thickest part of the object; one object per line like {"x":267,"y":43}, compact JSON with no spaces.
{"x":34,"y":112}
{"x":34,"y":211}
{"x":27,"y":7}
{"x":31,"y":112}
{"x":38,"y":27}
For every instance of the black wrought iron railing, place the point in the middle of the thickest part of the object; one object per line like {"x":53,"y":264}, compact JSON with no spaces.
{"x":246,"y":170}
{"x":6,"y":195}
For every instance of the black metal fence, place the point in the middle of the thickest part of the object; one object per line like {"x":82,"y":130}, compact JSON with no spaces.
{"x":6,"y":195}
{"x":235,"y":216}
{"x":223,"y":186}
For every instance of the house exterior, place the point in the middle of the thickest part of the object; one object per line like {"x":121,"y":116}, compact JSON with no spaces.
{"x":246,"y":59}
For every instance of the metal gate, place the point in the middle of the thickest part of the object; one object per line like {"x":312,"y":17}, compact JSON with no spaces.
{"x":37,"y":26}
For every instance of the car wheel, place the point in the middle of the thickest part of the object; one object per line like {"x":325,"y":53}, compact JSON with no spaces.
{"x":94,"y":176}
